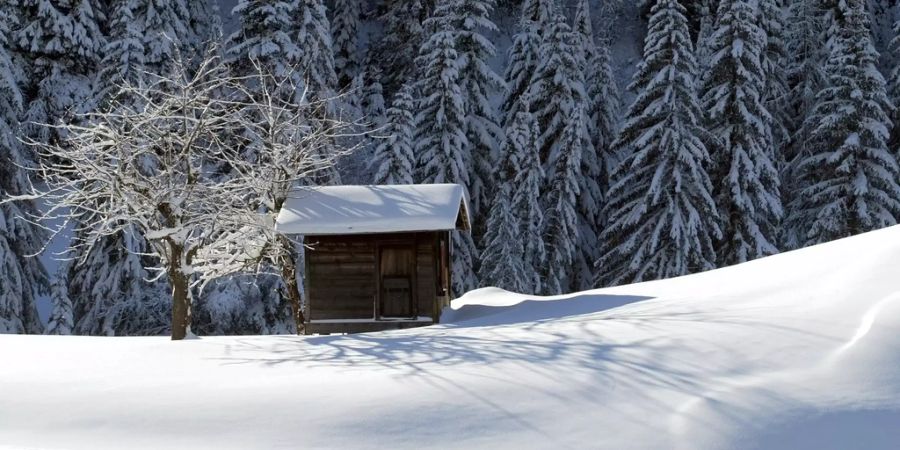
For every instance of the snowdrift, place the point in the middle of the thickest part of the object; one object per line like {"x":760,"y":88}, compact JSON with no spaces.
{"x":795,"y":351}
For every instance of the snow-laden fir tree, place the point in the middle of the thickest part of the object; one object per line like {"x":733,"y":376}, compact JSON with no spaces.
{"x":403,"y":34}
{"x":124,"y":55}
{"x":60,"y":43}
{"x":373,"y":96}
{"x":805,"y":78}
{"x":744,"y":174}
{"x":112,"y":292}
{"x":374,"y":116}
{"x":772,"y":61}
{"x":707,"y":22}
{"x":345,"y":17}
{"x":561,"y":229}
{"x":205,"y":24}
{"x":144,"y":37}
{"x":522,"y":59}
{"x":166,"y":28}
{"x":523,"y":55}
{"x":204,"y":30}
{"x":394,"y":159}
{"x":244,"y":304}
{"x":893,"y":87}
{"x":526,"y":201}
{"x":503,"y":261}
{"x":662,"y":216}
{"x":61,"y":320}
{"x":317,"y":63}
{"x":267,"y":37}
{"x":514,"y":254}
{"x":583,"y":26}
{"x":849,"y":179}
{"x":441,"y":145}
{"x":602,"y":112}
{"x":557,"y":89}
{"x":21,"y":277}
{"x":604,"y":97}
{"x":556,"y":92}
{"x":478,"y":82}
{"x":314,"y":42}
{"x":541,"y":12}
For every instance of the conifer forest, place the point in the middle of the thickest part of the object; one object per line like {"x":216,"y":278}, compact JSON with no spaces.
{"x":601,"y":142}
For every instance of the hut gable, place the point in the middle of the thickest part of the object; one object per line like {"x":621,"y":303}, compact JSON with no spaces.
{"x":331,"y":210}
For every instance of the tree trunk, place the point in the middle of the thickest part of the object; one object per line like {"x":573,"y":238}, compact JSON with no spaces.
{"x":181,"y":295}
{"x":289,"y":274}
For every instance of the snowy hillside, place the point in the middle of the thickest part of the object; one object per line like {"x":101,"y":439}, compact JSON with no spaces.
{"x":799,"y":350}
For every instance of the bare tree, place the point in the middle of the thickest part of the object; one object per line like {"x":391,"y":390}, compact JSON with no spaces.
{"x":199,"y":164}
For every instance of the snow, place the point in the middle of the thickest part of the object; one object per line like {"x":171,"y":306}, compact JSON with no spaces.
{"x":374,"y":209}
{"x":795,"y":351}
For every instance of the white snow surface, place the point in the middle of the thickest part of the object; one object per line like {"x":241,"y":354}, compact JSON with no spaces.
{"x":373,"y":209}
{"x":795,"y":351}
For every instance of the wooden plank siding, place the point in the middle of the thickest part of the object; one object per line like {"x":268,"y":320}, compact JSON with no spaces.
{"x":342,"y":279}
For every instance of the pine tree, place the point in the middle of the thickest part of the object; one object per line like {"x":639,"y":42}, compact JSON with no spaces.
{"x":522,"y":61}
{"x":772,"y":61}
{"x":60,"y":43}
{"x":513,"y":245}
{"x":440,"y":128}
{"x":662,"y":216}
{"x":602,"y":111}
{"x":373,"y":96}
{"x":744,"y":171}
{"x":561,"y":231}
{"x":345,"y":35}
{"x":707,"y":24}
{"x":540,"y":12}
{"x":522,"y":133}
{"x":166,"y":27}
{"x":244,"y":304}
{"x":112,"y":292}
{"x":850,"y":178}
{"x":893,"y":87}
{"x":21,"y":277}
{"x":61,"y":320}
{"x":314,"y":42}
{"x":805,"y":78}
{"x":267,"y":36}
{"x":556,"y":90}
{"x":478,"y":82}
{"x":403,"y":35}
{"x":124,"y":55}
{"x":394,"y":160}
{"x":204,"y":29}
{"x":524,"y":54}
{"x":205,"y":24}
{"x":291,"y":42}
{"x":503,"y":261}
{"x":145,"y":38}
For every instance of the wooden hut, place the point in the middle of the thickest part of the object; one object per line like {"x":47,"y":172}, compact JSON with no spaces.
{"x":376,"y":257}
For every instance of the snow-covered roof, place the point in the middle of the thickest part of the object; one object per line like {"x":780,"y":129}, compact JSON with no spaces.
{"x":375,"y":209}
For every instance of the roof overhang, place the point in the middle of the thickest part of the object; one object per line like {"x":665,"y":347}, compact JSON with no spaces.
{"x":336,"y":210}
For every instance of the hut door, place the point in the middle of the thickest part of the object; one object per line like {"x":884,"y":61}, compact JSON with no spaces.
{"x":396,"y":272}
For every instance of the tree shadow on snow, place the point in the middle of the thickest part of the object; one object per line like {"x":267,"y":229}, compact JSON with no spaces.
{"x":606,"y":341}
{"x":533,"y":311}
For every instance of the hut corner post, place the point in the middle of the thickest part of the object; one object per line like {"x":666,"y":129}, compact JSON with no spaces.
{"x":289,"y":274}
